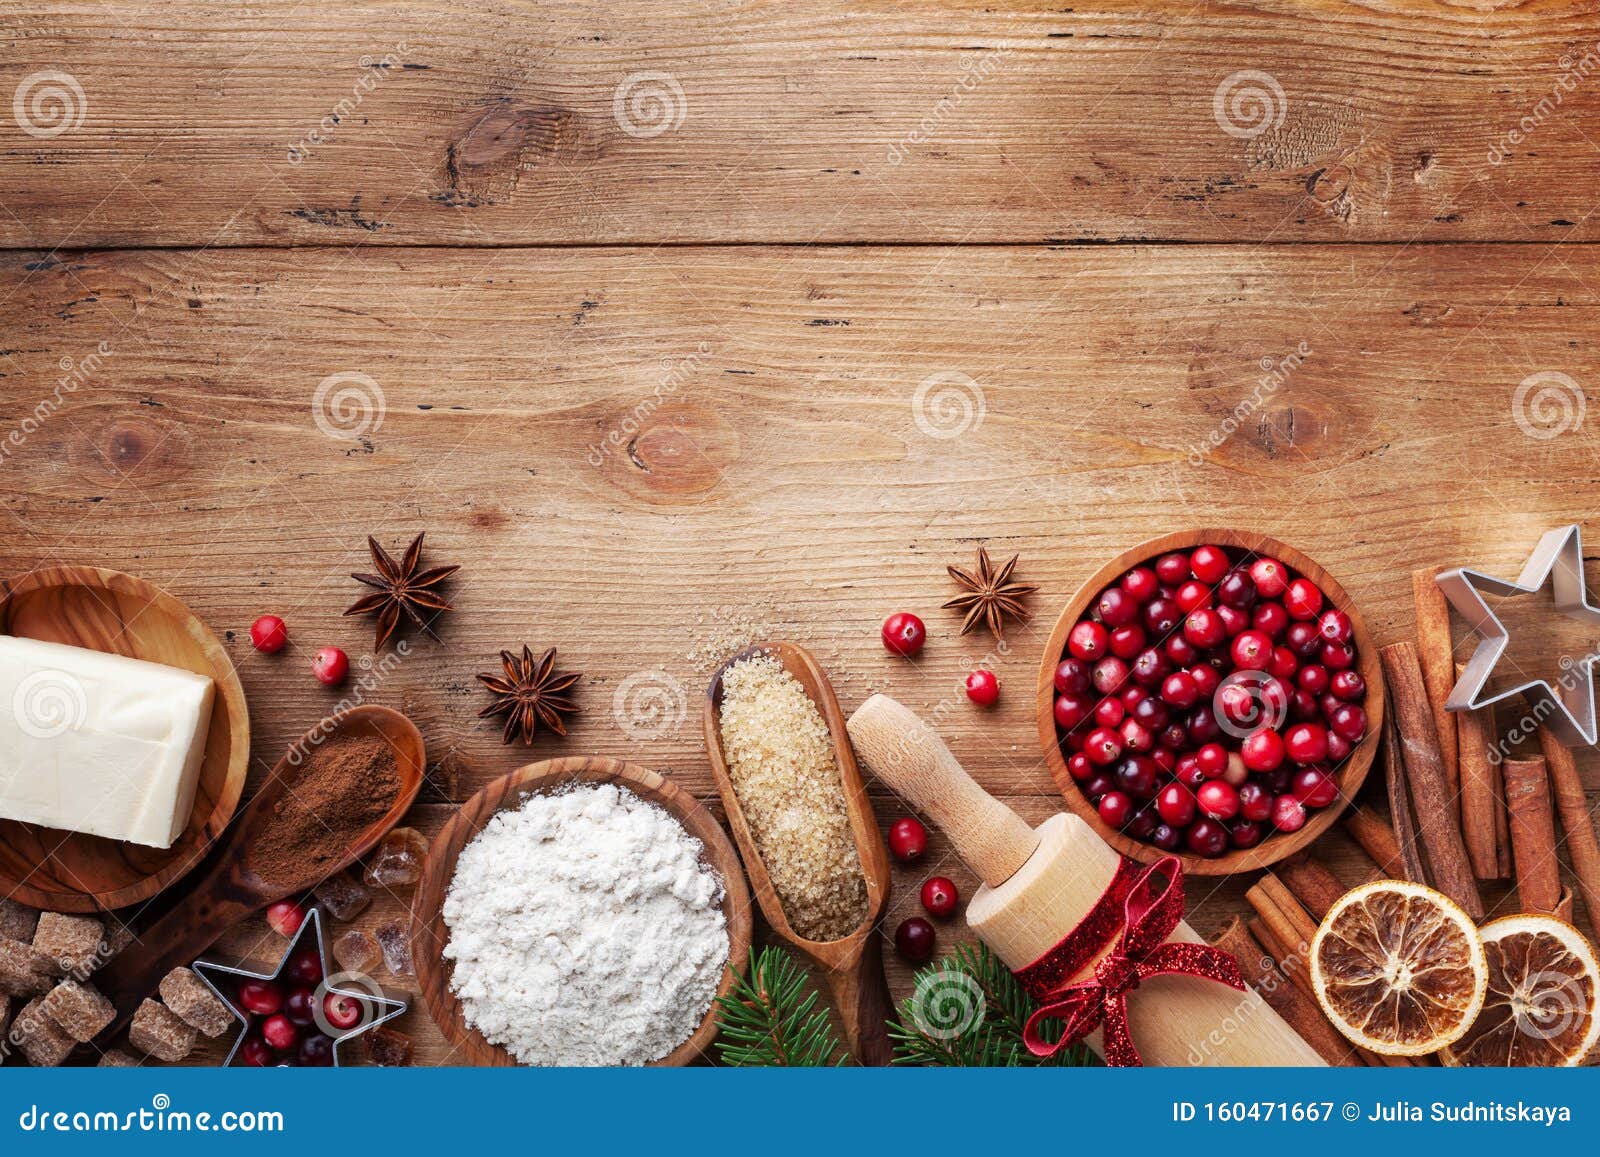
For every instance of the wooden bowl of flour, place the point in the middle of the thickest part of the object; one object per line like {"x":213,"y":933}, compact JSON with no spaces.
{"x":429,"y":933}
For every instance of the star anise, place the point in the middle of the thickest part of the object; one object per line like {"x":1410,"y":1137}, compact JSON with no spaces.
{"x":402,"y":588}
{"x":530,"y":693}
{"x":990,"y":595}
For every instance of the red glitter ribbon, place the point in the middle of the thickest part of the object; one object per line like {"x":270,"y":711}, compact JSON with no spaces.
{"x":1147,"y":911}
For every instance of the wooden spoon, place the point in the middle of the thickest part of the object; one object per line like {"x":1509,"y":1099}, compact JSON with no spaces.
{"x":226,"y":890}
{"x":853,"y":965}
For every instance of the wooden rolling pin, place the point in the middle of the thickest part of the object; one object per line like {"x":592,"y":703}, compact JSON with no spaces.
{"x":1039,"y":883}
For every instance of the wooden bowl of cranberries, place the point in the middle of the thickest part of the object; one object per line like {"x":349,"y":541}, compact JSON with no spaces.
{"x":1210,"y":694}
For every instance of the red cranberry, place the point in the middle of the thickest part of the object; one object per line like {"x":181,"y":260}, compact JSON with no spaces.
{"x":1176,"y":805}
{"x":914,"y":939}
{"x":1209,"y":564}
{"x":908,"y":839}
{"x":285,"y":917}
{"x":1218,"y":800}
{"x":1126,"y":642}
{"x":1079,"y":767}
{"x":939,"y":895}
{"x":1109,"y":674}
{"x":1302,"y":639}
{"x":1236,"y":773}
{"x":1141,"y":584}
{"x":1237,"y":703}
{"x":1306,"y":743}
{"x":1180,"y":689}
{"x":1270,"y":577}
{"x":304,"y":967}
{"x":1162,"y":616}
{"x":255,"y":1053}
{"x":1206,"y":837}
{"x":1255,"y":802}
{"x":1262,"y":750}
{"x":1207,"y":678}
{"x":1203,"y":726}
{"x":279,"y":1032}
{"x":269,"y":633}
{"x":300,"y":1006}
{"x":1303,"y":706}
{"x":1277,"y":782}
{"x":1143,"y":824}
{"x":1102,"y":746}
{"x":1151,"y":712}
{"x":1233,"y":620}
{"x":903,"y":633}
{"x":1115,"y":808}
{"x":1337,"y":656}
{"x":1284,"y":663}
{"x":1072,"y":742}
{"x":1338,"y":747}
{"x":1072,"y":676}
{"x":1329,"y":703}
{"x":1244,"y":833}
{"x":1071,"y":710}
{"x":1236,"y":590}
{"x":1150,"y":668}
{"x":1116,"y":608}
{"x":260,"y":997}
{"x":1136,"y":736}
{"x":1132,"y":695}
{"x":1098,"y":784}
{"x":1314,"y":787}
{"x":1349,"y":722}
{"x":1270,"y":618}
{"x":1288,"y":814}
{"x":1136,"y":776}
{"x":1188,"y":773}
{"x":1166,"y":837}
{"x":1087,"y":640}
{"x":1204,"y":628}
{"x":316,"y":1052}
{"x":1348,"y":685}
{"x":1313,"y":677}
{"x":330,"y":665}
{"x":1302,"y":600}
{"x":1109,"y":712}
{"x":1166,"y":757}
{"x":1192,"y":596}
{"x":1212,"y":759}
{"x":1251,"y":651}
{"x":1172,"y":569}
{"x":1181,"y":651}
{"x":982,"y":687}
{"x":1335,"y":626}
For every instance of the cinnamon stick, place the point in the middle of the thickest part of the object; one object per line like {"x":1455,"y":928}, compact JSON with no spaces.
{"x":1533,"y":834}
{"x":1402,"y":820}
{"x":1298,"y":1010}
{"x":1432,"y":795}
{"x":1576,"y":823}
{"x":1291,"y":926}
{"x":1483,"y":817}
{"x":1436,"y":653}
{"x":1378,"y":840}
{"x":1316,"y":888}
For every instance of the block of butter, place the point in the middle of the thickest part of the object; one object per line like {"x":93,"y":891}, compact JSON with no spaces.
{"x":99,"y":743}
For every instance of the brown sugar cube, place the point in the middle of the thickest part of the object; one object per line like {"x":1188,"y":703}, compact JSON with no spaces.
{"x":73,"y":942}
{"x":196,"y":1005}
{"x":156,"y":1030}
{"x":118,"y":936}
{"x":387,"y":1048}
{"x":40,"y":1038}
{"x":116,"y":1059}
{"x":79,"y":1009}
{"x":344,"y":896}
{"x":24,"y":971}
{"x":17,"y":921}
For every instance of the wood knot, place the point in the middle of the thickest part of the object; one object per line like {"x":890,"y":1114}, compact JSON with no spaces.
{"x":134,"y":448}
{"x":1286,"y":426}
{"x":483,"y":165}
{"x":659,"y":454}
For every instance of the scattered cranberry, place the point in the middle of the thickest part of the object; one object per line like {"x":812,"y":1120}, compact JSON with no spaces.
{"x":316,"y":1051}
{"x":939,"y":895}
{"x":908,"y":839}
{"x":304,"y":967}
{"x":330,"y":665}
{"x":279,"y":1032}
{"x":914,"y":939}
{"x":344,"y":1012}
{"x":1209,"y":563}
{"x":1302,"y":600}
{"x":285,"y":917}
{"x":255,"y":1053}
{"x":260,"y":997}
{"x":1212,"y":759}
{"x":269,"y":633}
{"x":982,"y":687}
{"x":1180,"y":650}
{"x":903,"y":633}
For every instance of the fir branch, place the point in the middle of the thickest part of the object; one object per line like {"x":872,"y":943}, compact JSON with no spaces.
{"x":969,"y":1011}
{"x":772,"y":1017}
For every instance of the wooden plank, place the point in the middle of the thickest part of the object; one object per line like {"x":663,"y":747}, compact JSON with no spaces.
{"x":397,"y":122}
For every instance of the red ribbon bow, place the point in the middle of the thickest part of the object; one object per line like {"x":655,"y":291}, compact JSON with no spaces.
{"x":1147,"y":911}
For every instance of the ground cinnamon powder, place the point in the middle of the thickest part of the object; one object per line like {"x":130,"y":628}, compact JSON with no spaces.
{"x":342,"y":787}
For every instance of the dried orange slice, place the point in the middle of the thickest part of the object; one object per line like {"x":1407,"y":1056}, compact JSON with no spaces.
{"x":1543,"y":1006}
{"x":1398,"y":968}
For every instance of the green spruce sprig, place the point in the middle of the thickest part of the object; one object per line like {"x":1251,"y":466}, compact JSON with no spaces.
{"x":773,"y":1018}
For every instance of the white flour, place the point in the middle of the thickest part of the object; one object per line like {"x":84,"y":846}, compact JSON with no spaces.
{"x":585,"y":930}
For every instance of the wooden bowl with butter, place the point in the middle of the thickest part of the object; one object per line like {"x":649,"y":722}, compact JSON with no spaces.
{"x":118,"y":614}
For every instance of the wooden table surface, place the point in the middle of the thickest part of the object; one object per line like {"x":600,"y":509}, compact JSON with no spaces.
{"x":681,"y":324}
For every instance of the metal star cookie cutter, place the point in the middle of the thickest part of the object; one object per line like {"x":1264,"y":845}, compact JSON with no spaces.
{"x":1558,"y":559}
{"x":377,"y":1008}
